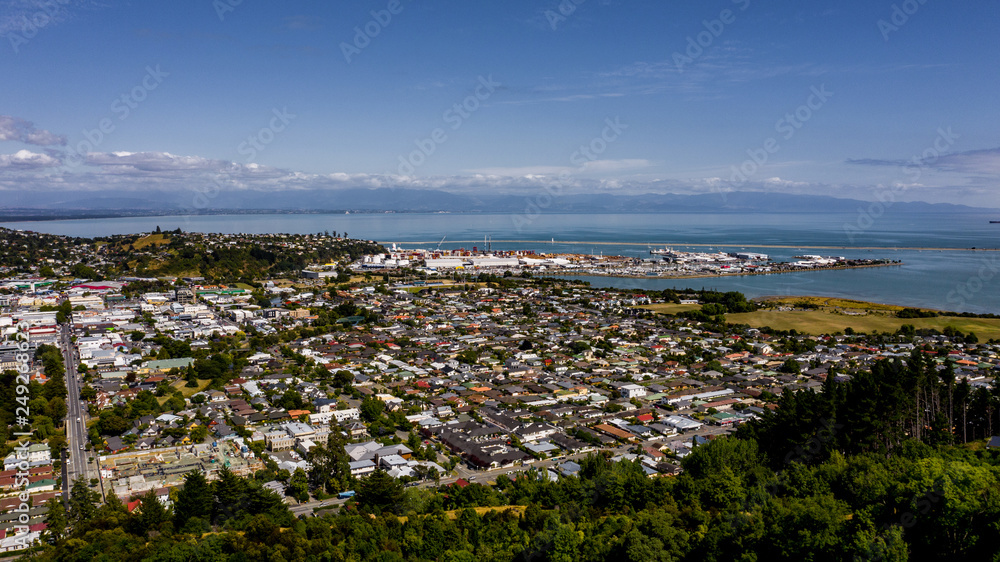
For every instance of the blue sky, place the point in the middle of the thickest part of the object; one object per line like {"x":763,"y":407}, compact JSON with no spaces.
{"x":852,"y":99}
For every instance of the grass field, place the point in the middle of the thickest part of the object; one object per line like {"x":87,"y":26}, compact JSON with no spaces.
{"x":670,"y":308}
{"x":829,"y":321}
{"x":188,"y":391}
{"x":453,"y":514}
{"x":832,"y":303}
{"x":150,"y":240}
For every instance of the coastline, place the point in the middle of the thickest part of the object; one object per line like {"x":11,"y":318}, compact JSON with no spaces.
{"x":717,"y":275}
{"x":704,"y":245}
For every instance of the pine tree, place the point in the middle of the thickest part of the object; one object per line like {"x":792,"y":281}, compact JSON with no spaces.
{"x":194,"y":501}
{"x":962,"y":392}
{"x":152,"y":514}
{"x":298,"y":485}
{"x":228,"y":492}
{"x":112,"y":505}
{"x":330,"y":470}
{"x":948,"y":378}
{"x":82,"y":502}
{"x":55,"y":521}
{"x":380,"y":492}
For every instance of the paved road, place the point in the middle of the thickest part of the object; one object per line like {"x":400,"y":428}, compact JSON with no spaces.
{"x":76,"y":416}
{"x":309,"y":507}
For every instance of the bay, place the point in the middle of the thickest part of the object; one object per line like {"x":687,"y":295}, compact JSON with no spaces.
{"x":952,"y":277}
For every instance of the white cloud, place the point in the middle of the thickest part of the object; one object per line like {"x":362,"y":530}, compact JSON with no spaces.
{"x":25,"y":159}
{"x":16,"y":129}
{"x":980,"y":162}
{"x":167,"y":173}
{"x":778,"y":182}
{"x":155,"y":161}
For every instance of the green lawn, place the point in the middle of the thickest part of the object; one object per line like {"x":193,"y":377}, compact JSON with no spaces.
{"x":824,"y":322}
{"x":670,"y":308}
{"x":188,"y":391}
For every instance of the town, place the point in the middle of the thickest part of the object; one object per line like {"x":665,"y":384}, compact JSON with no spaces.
{"x":434,"y":368}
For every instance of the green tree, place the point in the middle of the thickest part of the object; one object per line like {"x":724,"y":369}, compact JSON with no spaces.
{"x":330,"y":470}
{"x":790,"y":366}
{"x":342,"y":378}
{"x":199,"y":434}
{"x":371,"y":409}
{"x":55,"y":519}
{"x":110,"y":423}
{"x":153,"y":515}
{"x":88,"y":393}
{"x":82,"y":501}
{"x":194,"y":503}
{"x":379,"y":493}
{"x":229,"y":493}
{"x":468,"y":356}
{"x":175,"y":403}
{"x":64,"y":312}
{"x":56,"y":408}
{"x":291,"y":400}
{"x":298,"y":485}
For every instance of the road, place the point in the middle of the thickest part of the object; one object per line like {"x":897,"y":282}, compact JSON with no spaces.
{"x":309,"y":508}
{"x":76,"y":416}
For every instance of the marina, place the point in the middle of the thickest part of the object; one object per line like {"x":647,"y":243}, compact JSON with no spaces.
{"x":667,"y":263}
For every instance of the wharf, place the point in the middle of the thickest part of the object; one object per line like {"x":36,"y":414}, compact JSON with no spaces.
{"x":668,"y":275}
{"x":715,"y":245}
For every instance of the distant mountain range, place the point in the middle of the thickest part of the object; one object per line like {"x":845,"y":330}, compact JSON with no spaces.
{"x":105,"y":204}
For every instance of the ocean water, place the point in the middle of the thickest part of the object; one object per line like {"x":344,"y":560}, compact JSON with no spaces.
{"x":941,"y":269}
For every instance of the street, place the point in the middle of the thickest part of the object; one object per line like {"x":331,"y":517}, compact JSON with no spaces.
{"x":76,"y":434}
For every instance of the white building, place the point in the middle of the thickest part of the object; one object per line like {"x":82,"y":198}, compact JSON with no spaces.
{"x":681,"y":423}
{"x":630,"y":391}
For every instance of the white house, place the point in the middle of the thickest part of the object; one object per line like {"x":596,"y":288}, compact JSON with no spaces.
{"x":630,"y":391}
